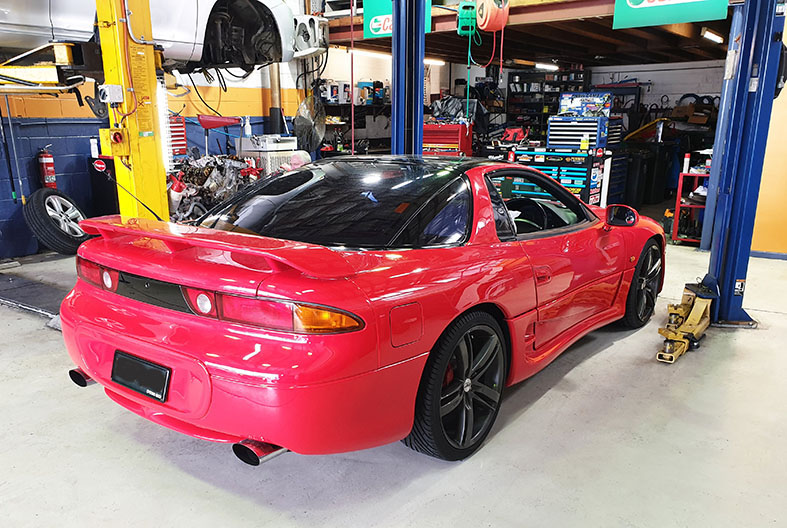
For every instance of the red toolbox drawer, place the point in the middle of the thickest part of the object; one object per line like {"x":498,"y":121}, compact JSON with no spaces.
{"x":448,"y":139}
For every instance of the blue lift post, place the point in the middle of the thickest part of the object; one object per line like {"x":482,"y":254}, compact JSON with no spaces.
{"x":722,"y":128}
{"x":746,"y":131}
{"x":407,"y":91}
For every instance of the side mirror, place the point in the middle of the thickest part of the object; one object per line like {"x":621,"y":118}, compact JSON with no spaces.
{"x":621,"y":215}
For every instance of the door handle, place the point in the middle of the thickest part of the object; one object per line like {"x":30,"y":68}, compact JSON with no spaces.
{"x":543,"y":274}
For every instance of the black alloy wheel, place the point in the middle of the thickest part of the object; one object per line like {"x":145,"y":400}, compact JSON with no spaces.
{"x":461,"y":390}
{"x":644,"y":290}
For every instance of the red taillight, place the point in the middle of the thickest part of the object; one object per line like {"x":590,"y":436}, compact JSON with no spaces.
{"x":285,"y":315}
{"x":89,"y":271}
{"x":201,"y":302}
{"x":259,"y":312}
{"x":96,"y":275}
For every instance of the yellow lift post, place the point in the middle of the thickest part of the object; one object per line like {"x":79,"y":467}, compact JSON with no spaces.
{"x":130,"y":85}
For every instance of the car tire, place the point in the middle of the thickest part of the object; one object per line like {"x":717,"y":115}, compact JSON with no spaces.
{"x":461,"y":389}
{"x":54,"y":219}
{"x":645,"y":284}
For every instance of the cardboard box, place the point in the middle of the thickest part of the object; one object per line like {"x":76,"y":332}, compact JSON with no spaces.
{"x":702,"y":114}
{"x":683,"y":111}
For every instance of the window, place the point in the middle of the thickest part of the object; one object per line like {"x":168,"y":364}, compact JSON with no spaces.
{"x":537,"y":204}
{"x":444,"y":220}
{"x":503,"y":221}
{"x":357,"y":203}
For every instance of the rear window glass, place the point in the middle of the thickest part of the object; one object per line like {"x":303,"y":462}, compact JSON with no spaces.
{"x":353,"y":203}
{"x":444,"y":220}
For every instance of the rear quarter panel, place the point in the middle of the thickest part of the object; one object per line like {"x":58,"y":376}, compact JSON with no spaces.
{"x":446,"y":282}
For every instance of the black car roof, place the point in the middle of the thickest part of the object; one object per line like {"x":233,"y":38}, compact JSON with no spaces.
{"x":427,"y":162}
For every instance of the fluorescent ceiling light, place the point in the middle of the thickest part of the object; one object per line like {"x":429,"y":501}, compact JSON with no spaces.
{"x":710,"y":35}
{"x":386,"y":56}
{"x":550,"y":67}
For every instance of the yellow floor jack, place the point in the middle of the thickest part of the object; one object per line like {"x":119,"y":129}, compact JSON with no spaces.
{"x":686,"y":323}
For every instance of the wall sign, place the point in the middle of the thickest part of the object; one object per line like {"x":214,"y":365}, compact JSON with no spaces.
{"x":378,"y":18}
{"x":641,"y":13}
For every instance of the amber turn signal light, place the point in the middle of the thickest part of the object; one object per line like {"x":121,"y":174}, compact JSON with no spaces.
{"x":316,"y":320}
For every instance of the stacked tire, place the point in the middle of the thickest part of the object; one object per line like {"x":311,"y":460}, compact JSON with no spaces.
{"x":54,"y":219}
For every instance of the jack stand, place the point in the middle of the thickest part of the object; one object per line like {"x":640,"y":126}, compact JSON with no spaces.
{"x":687,"y":322}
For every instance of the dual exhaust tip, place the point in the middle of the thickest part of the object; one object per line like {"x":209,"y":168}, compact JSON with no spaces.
{"x":79,"y":377}
{"x":255,"y":453}
{"x":248,"y":451}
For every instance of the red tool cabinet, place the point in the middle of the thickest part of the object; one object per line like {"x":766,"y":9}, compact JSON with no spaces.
{"x":448,"y":139}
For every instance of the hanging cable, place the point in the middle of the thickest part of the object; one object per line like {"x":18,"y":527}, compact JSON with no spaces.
{"x":467,"y":88}
{"x":491,"y":57}
{"x":352,"y":77}
{"x":502,"y":33}
{"x":196,"y":90}
{"x":222,"y":82}
{"x":244,"y":76}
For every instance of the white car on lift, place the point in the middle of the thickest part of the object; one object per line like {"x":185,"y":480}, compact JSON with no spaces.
{"x":194,"y":33}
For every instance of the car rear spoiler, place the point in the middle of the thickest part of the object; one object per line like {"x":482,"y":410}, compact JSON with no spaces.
{"x":310,"y":259}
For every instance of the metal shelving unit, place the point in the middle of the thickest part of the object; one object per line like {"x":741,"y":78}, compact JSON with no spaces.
{"x":533,"y":96}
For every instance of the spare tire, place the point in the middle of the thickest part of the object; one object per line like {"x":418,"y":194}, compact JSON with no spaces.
{"x":54,"y":219}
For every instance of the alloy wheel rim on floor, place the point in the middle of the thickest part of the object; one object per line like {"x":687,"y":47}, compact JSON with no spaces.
{"x":65,"y":215}
{"x":648,"y":283}
{"x":472,"y":385}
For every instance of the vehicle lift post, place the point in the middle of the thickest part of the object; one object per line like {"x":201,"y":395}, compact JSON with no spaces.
{"x":131,"y":61}
{"x":756,"y":48}
{"x":740,"y":172}
{"x":407,"y":91}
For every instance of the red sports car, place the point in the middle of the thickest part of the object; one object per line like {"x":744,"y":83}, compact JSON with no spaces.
{"x":354,"y":302}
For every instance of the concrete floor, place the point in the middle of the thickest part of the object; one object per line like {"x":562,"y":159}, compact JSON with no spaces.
{"x":605,"y":436}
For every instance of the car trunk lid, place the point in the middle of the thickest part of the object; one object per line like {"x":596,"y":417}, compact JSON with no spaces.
{"x":204,"y":258}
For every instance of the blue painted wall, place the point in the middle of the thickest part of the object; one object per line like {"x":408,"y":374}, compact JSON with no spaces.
{"x":70,"y":140}
{"x":70,"y":145}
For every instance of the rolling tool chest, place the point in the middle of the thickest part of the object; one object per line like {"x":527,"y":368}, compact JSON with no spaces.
{"x":583,"y":172}
{"x":448,"y":139}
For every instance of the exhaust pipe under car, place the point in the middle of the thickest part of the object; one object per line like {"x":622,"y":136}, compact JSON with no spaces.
{"x":255,"y":453}
{"x":79,"y":377}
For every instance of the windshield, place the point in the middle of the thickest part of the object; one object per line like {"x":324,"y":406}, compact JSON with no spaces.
{"x":359,"y":203}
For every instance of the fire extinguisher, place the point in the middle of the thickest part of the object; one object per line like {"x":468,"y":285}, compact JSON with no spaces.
{"x":46,"y":165}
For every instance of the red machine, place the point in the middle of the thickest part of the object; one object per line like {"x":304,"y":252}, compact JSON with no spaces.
{"x":46,"y":166}
{"x":448,"y":139}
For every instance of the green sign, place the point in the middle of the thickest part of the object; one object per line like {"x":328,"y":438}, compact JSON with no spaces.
{"x":641,"y":13}
{"x":378,"y":18}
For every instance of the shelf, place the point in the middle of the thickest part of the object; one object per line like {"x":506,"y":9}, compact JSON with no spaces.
{"x":348,"y":105}
{"x":692,"y":206}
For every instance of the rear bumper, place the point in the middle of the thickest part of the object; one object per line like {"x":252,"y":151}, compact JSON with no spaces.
{"x":336,"y":417}
{"x":215,"y":398}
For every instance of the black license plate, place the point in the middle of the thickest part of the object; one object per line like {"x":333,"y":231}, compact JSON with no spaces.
{"x":141,"y":375}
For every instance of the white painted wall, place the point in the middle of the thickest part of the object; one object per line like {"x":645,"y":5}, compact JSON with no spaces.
{"x":673,"y":80}
{"x":374,"y":68}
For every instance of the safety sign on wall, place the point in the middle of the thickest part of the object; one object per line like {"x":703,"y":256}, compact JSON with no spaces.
{"x":378,"y":18}
{"x":641,"y":13}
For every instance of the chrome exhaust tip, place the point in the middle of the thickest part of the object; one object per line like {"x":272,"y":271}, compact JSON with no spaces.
{"x":255,"y":453}
{"x":79,"y":377}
